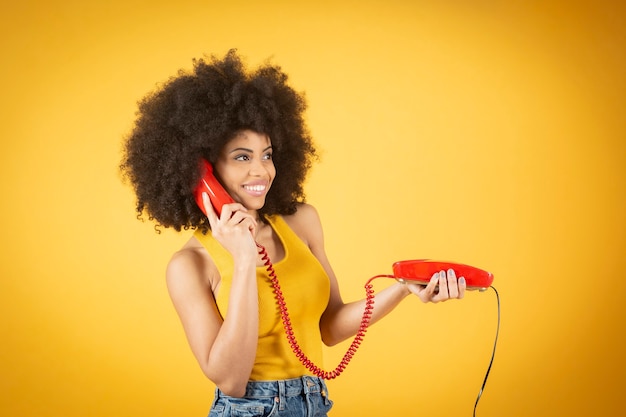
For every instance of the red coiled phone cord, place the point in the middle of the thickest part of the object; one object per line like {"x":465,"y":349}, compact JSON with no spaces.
{"x":356,"y":342}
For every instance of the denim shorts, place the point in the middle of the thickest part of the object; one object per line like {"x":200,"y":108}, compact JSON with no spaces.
{"x":306,"y":396}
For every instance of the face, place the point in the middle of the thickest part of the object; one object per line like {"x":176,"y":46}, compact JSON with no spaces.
{"x":246,"y":168}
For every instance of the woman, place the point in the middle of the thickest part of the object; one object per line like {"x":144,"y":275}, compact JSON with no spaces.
{"x":250,"y":127}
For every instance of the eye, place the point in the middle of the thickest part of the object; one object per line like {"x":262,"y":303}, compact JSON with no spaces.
{"x":268,"y":156}
{"x":242,"y":157}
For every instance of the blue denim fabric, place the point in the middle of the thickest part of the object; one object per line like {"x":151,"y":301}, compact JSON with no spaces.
{"x":306,"y":396}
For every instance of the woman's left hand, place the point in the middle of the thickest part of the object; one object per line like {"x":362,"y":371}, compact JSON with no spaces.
{"x":442,"y":287}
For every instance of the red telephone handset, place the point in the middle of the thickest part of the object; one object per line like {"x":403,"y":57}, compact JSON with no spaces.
{"x":423,"y":269}
{"x":209,"y":184}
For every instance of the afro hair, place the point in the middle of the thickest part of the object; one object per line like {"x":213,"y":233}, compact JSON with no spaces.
{"x":192,"y":116}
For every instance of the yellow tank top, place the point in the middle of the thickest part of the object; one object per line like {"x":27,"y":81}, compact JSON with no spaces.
{"x":306,"y":290}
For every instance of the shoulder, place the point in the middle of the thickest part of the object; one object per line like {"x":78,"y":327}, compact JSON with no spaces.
{"x":191,"y":266}
{"x":306,"y":223}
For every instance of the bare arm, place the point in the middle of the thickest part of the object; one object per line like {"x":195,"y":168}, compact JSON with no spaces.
{"x":342,"y":320}
{"x":225,"y":349}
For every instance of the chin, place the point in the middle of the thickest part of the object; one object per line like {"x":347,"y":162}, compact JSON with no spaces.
{"x":255,"y":205}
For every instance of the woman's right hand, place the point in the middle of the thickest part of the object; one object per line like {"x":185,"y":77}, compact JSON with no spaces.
{"x":234,"y":229}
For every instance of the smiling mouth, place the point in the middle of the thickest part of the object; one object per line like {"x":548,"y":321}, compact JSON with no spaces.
{"x":255,"y":188}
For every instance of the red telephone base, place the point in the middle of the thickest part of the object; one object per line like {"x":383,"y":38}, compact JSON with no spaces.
{"x":422,"y":270}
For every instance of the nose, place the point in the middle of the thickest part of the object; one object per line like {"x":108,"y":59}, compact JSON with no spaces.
{"x":257,"y":168}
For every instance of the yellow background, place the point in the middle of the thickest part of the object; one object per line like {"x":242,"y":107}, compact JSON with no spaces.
{"x":483,"y":132}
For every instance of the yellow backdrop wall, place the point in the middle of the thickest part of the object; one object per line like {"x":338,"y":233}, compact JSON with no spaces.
{"x":490,"y":133}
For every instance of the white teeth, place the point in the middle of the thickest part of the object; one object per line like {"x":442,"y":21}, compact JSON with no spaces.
{"x":255,"y":187}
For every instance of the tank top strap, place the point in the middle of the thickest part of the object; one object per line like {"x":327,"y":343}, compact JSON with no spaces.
{"x":222,"y":258}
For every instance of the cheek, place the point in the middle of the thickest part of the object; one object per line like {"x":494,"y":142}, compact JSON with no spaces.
{"x":272,"y":171}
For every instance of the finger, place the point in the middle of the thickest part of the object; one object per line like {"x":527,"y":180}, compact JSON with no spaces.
{"x":462,"y":287}
{"x":432,"y":291}
{"x":443,"y":287}
{"x":238,"y":215}
{"x":424,"y":292}
{"x":431,"y":287}
{"x":210,"y":211}
{"x":250,"y":224}
{"x":231,"y":209}
{"x":245,"y":220}
{"x":453,"y":289}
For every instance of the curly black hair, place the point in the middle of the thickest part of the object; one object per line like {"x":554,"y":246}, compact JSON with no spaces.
{"x":192,"y":116}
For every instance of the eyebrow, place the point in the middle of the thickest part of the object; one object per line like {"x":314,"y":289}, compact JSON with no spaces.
{"x":249,"y":150}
